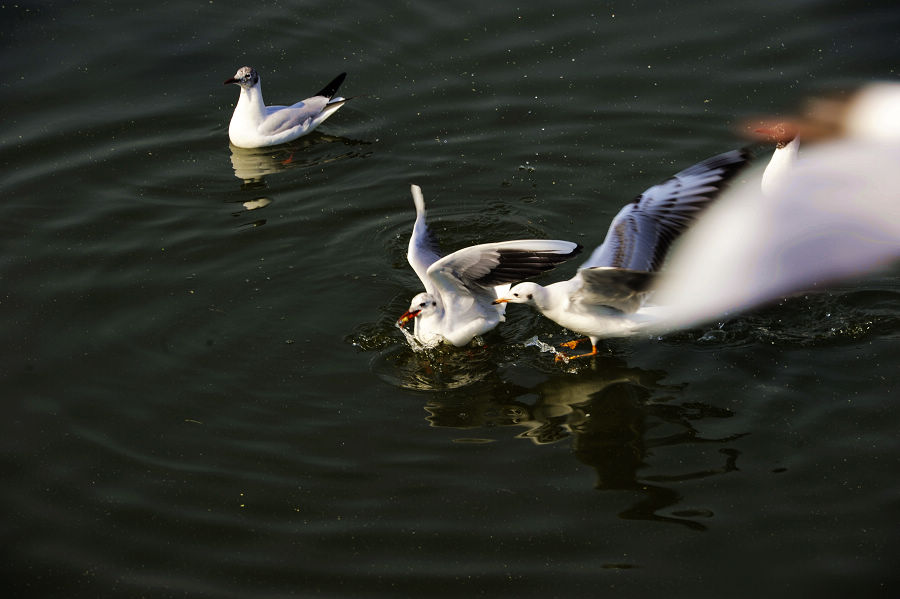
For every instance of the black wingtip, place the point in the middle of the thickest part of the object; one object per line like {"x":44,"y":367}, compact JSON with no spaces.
{"x":331,"y":89}
{"x":517,"y":265}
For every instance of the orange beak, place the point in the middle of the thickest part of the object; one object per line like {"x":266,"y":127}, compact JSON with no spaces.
{"x":407,"y":316}
{"x":500,"y":300}
{"x":780,"y":131}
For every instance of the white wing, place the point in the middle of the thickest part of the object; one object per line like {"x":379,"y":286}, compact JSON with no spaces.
{"x":836,"y":214}
{"x":283,"y":118}
{"x":310,"y":111}
{"x":476,"y":270}
{"x":642,"y":231}
{"x":422,"y":251}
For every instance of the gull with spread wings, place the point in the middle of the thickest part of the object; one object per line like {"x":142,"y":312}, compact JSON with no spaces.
{"x":456,"y":305}
{"x":606,"y":296}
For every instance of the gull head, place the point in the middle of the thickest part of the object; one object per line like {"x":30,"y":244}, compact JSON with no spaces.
{"x":246,"y":77}
{"x":782,"y":133}
{"x":523,"y":293}
{"x":423,"y":304}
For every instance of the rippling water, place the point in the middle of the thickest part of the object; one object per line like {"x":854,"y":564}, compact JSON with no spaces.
{"x":205,"y":394}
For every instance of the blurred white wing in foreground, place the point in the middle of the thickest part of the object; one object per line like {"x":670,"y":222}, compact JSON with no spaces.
{"x":835,"y":215}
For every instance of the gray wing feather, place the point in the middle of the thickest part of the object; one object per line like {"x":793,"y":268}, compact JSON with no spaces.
{"x":617,"y":288}
{"x":642,"y":232}
{"x":282,"y":118}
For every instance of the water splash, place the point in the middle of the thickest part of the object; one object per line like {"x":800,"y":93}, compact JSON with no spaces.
{"x":545,"y":347}
{"x":414,"y":343}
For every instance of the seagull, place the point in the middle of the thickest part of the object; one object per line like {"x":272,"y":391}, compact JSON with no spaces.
{"x":834,"y":215}
{"x":787,"y":145}
{"x":606,"y":297}
{"x":255,"y":125}
{"x":459,"y":288}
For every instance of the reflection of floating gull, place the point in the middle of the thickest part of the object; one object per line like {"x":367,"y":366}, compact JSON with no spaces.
{"x":252,"y":164}
{"x":459,"y":288}
{"x":834,"y":214}
{"x":605,"y":298}
{"x":254,"y":125}
{"x":257,"y":203}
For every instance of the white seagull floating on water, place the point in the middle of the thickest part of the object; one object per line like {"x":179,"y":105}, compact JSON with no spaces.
{"x":606,"y":296}
{"x":460,"y":287}
{"x":255,"y":125}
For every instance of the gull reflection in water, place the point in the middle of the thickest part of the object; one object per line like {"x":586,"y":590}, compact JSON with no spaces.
{"x":253,"y":165}
{"x":615,"y":416}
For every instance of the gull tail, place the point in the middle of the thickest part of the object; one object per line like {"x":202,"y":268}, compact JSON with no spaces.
{"x":329,"y":109}
{"x":331,"y":89}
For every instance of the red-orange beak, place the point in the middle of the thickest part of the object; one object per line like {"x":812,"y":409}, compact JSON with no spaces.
{"x":500,"y":300}
{"x":780,"y":131}
{"x":407,"y":316}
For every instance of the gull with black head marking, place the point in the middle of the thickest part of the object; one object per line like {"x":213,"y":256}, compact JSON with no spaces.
{"x":606,"y":296}
{"x":456,"y":305}
{"x":255,"y":125}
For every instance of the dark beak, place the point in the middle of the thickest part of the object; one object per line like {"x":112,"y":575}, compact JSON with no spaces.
{"x":232,"y":80}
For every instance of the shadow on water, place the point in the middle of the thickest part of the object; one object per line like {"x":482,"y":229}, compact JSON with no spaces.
{"x":613,"y":415}
{"x":618,"y":419}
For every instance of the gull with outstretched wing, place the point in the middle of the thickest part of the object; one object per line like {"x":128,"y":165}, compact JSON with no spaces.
{"x":456,"y":305}
{"x":606,"y":297}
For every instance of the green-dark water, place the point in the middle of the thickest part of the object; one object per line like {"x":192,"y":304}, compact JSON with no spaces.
{"x":204,"y":392}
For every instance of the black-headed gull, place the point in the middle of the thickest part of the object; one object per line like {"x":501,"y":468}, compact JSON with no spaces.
{"x":606,"y":296}
{"x":255,"y":125}
{"x":460,"y":287}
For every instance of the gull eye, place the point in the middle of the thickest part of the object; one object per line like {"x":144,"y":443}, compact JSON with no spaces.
{"x":515,"y":295}
{"x":434,"y":303}
{"x":422,"y":305}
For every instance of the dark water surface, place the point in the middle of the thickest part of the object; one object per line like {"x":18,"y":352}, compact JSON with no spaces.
{"x":203,"y":391}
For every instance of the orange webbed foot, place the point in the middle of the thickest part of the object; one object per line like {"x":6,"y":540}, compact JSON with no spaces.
{"x":574,"y":343}
{"x":561,"y":357}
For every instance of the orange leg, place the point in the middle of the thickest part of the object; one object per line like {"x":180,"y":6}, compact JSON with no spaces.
{"x":289,"y":160}
{"x":563,"y":357}
{"x":572,"y":344}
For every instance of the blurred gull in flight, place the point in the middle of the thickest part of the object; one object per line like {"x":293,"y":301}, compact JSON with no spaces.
{"x":833,"y":214}
{"x":459,"y":288}
{"x":254,"y":125}
{"x":606,"y":296}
